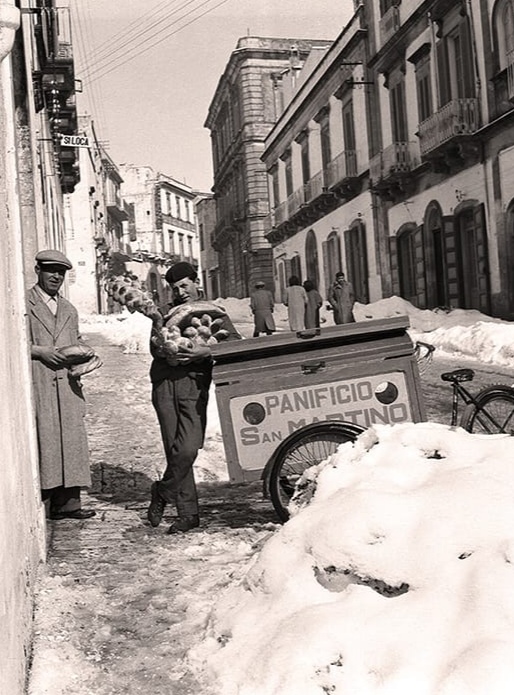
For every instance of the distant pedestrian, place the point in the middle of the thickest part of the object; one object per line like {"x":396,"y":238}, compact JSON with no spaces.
{"x":295,"y":301}
{"x":262,"y":305}
{"x":314,"y":302}
{"x":59,"y":401}
{"x":341,"y":298}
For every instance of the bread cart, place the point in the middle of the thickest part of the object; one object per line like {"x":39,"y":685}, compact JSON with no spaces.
{"x":287,"y":401}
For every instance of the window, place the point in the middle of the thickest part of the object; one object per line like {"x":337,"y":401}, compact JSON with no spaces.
{"x":181,"y":245}
{"x":177,"y":205}
{"x":275,"y":190}
{"x":324,"y":133}
{"x":424,"y":88}
{"x":386,"y":5}
{"x":201,"y":236}
{"x":504,"y":30}
{"x":455,"y":64}
{"x":303,"y":140}
{"x":168,"y":202}
{"x":171,"y":238}
{"x":188,"y":210}
{"x":190,"y":246}
{"x":349,"y":137}
{"x":398,"y":111}
{"x":289,"y":173}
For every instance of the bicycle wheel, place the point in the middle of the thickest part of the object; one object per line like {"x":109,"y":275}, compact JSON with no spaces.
{"x":493,"y":412}
{"x":304,"y":448}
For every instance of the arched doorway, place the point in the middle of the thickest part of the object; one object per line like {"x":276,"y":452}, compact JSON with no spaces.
{"x":407,"y":264}
{"x":357,"y":260}
{"x":435,"y":257}
{"x":311,"y":258}
{"x":471,"y":237}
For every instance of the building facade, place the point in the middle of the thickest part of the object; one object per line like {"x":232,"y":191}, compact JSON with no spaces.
{"x":317,"y":161}
{"x":394,"y":160}
{"x":248,"y":100}
{"x":205,"y":207}
{"x":164,"y":229}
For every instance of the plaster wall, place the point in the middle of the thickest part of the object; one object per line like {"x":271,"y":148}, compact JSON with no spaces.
{"x":21,"y":526}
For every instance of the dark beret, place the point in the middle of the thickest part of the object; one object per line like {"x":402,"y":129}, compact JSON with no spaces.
{"x":54,"y":257}
{"x":179,"y":271}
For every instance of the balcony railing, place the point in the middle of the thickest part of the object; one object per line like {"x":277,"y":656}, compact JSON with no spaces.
{"x":457,"y":117}
{"x":295,"y":201}
{"x":397,"y":159}
{"x":315,"y":186}
{"x":342,"y":167}
{"x":510,"y":74}
{"x":389,"y":24}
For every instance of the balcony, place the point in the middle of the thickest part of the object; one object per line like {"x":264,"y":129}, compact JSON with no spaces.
{"x":390,"y":169}
{"x":455,"y":121}
{"x":341,"y":174}
{"x":389,"y":24}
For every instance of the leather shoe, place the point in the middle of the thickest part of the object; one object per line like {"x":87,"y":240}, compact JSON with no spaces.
{"x":74,"y":514}
{"x":184,"y":523}
{"x":156,"y":508}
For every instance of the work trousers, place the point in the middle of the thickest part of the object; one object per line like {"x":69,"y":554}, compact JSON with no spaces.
{"x":181,"y":407}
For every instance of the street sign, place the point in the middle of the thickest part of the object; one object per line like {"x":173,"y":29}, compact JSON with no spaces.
{"x":75,"y":141}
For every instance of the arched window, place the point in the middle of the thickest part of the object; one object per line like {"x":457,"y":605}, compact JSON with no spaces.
{"x":504,"y":32}
{"x":311,"y":258}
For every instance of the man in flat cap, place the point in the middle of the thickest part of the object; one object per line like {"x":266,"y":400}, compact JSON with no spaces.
{"x":60,"y":406}
{"x":179,"y":394}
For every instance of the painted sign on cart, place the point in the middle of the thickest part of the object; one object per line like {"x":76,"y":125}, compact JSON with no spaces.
{"x":261,"y":421}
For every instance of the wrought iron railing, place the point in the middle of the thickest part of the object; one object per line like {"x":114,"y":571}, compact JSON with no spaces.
{"x":389,"y":23}
{"x":457,"y":117}
{"x":314,"y":187}
{"x":398,"y":158}
{"x":342,"y":167}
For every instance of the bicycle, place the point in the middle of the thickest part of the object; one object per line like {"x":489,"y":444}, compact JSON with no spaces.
{"x":490,"y":411}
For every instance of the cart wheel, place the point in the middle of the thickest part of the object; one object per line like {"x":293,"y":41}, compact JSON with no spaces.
{"x":304,"y":448}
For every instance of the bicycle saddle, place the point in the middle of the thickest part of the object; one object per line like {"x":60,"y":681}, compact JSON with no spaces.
{"x":458,"y":375}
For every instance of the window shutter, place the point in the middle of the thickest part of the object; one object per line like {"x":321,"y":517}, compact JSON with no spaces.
{"x":443,"y":70}
{"x":467,"y":62}
{"x":450,"y":249}
{"x":419,"y":256}
{"x":479,"y":221}
{"x":393,"y":261}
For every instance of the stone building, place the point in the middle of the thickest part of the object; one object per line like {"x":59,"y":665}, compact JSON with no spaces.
{"x":205,"y":208}
{"x":37,"y":107}
{"x":317,"y":160}
{"x":249,"y":97}
{"x":164,"y":225}
{"x":398,"y":162}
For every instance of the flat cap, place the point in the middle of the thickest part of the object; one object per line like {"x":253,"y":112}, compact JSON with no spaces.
{"x":54,"y":257}
{"x":179,"y":271}
{"x":260,"y":283}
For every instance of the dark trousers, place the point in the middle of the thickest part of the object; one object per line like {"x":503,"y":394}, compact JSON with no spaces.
{"x":61,"y":499}
{"x":181,"y":407}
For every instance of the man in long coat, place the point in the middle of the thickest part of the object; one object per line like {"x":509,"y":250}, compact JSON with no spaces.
{"x":341,"y":298}
{"x":60,"y":405}
{"x":262,"y":304}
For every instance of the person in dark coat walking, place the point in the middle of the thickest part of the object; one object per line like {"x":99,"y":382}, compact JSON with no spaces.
{"x":262,"y":305}
{"x":59,"y":402}
{"x":314,"y":302}
{"x":179,"y":394}
{"x":341,"y":298}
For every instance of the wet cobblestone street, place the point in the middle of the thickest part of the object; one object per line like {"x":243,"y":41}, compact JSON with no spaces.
{"x":114,"y":612}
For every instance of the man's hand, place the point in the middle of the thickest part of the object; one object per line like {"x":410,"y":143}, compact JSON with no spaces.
{"x":187,"y":355}
{"x":49,"y":356}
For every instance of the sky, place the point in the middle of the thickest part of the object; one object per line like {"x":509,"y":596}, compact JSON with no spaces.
{"x":393,"y":576}
{"x":149,"y":102}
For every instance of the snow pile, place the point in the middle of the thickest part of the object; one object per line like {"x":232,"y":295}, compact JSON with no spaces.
{"x":457,"y":331}
{"x":396,"y":579}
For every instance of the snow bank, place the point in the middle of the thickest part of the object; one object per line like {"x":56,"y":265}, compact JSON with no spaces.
{"x":397,"y":578}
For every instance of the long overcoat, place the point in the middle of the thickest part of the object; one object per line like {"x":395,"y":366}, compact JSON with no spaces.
{"x":60,"y":404}
{"x":342,"y":299}
{"x":261,"y":304}
{"x":296,"y":301}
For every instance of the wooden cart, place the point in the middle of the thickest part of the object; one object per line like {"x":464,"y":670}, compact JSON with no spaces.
{"x":287,"y":401}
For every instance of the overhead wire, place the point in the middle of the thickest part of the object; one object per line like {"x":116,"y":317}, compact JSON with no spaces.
{"x":100,"y":71}
{"x":124,"y":32}
{"x":137,"y":36}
